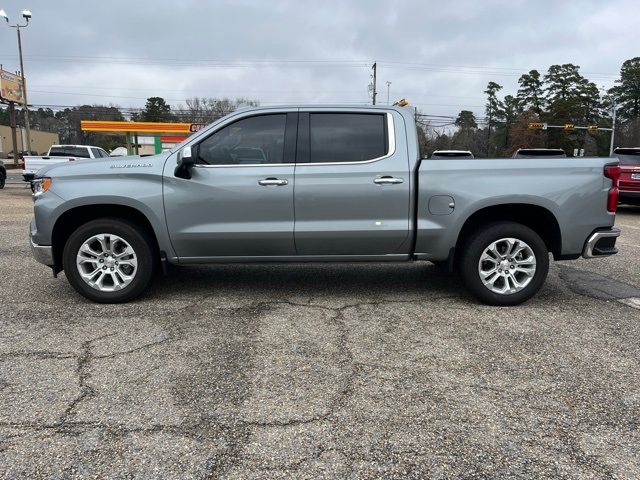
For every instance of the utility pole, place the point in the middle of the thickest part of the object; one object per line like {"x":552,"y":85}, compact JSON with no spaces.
{"x":388,"y":87}
{"x":374,"y":93}
{"x":24,"y":94}
{"x":613,"y":130}
{"x":489,"y":133}
{"x":12,"y":124}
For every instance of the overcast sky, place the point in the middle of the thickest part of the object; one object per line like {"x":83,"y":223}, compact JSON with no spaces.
{"x":438,"y":54}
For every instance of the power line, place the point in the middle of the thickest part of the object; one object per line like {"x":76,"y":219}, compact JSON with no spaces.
{"x":213,"y":63}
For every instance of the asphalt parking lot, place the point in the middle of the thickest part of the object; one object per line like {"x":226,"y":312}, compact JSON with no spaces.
{"x":318,"y":371}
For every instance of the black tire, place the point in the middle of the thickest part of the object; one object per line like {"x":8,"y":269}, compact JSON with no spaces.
{"x":139,"y":241}
{"x":3,"y":179}
{"x":481,"y":239}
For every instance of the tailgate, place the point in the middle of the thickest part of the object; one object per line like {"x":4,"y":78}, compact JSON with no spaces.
{"x":33,"y":164}
{"x":629,"y":179}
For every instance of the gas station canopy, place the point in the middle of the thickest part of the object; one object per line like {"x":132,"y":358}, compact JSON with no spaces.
{"x":136,"y":127}
{"x":178,"y":131}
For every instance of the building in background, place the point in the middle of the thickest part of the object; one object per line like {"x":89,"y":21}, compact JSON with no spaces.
{"x":152,"y":144}
{"x":40,"y":141}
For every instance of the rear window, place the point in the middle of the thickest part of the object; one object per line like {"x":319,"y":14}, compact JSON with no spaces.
{"x":347,"y":137}
{"x":543,"y":152}
{"x":69,"y":151}
{"x":57,"y":152}
{"x":448,"y":154}
{"x":628,"y":156}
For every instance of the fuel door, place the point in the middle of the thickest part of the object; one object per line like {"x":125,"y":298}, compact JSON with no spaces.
{"x":441,"y":205}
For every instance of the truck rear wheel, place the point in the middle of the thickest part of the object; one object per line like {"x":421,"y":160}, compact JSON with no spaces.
{"x":504,"y":263}
{"x":108,"y":260}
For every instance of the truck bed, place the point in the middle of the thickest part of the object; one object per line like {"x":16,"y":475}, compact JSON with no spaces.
{"x":573,"y":190}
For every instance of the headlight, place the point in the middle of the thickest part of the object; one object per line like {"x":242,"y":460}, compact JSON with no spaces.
{"x":41,"y":185}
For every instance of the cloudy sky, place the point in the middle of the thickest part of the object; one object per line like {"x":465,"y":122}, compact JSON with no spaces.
{"x":438,"y":54}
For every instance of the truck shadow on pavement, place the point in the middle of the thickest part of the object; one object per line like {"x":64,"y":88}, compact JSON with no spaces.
{"x":361,"y":280}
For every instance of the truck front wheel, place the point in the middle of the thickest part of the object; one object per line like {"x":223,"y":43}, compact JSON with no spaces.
{"x":504,"y":263}
{"x":108,"y":260}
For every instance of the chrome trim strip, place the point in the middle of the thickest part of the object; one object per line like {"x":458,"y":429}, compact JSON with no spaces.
{"x":297,"y":259}
{"x":590,"y":244}
{"x":391,"y":131}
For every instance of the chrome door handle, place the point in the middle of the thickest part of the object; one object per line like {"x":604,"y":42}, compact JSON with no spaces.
{"x":268,"y":182}
{"x":387,"y":180}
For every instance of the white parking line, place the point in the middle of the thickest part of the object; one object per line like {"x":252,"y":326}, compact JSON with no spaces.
{"x":626,"y":225}
{"x":628,"y":244}
{"x":631,"y":301}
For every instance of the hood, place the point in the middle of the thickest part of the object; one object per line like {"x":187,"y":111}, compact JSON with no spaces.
{"x":108,"y":165}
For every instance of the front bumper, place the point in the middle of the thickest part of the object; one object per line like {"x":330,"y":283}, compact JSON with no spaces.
{"x":601,"y":243}
{"x":42,"y":253}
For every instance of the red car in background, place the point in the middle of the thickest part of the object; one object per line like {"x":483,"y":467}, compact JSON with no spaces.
{"x":629,"y":184}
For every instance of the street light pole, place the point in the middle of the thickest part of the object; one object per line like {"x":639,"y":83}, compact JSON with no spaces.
{"x":388,"y":87}
{"x":26,"y":14}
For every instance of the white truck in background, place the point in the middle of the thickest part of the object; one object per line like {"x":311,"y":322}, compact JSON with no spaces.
{"x":59,"y":154}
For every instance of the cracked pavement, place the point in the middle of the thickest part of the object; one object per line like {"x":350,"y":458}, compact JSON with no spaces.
{"x":318,"y":371}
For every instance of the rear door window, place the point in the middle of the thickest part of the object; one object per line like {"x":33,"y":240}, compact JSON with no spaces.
{"x":347,"y":137}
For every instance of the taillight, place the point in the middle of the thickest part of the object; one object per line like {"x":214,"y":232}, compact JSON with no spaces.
{"x":612,"y":172}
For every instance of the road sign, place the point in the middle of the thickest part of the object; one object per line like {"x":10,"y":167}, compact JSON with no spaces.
{"x":568,"y":126}
{"x":537,"y":126}
{"x":11,"y":87}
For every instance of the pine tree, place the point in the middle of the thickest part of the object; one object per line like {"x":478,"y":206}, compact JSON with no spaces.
{"x":627,"y":92}
{"x":530,"y":94}
{"x":494,"y":110}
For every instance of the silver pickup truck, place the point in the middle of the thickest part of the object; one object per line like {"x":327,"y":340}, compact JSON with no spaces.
{"x":320,"y":184}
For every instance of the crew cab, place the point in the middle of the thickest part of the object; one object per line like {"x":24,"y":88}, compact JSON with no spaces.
{"x":59,"y":154}
{"x":320,"y":184}
{"x":629,"y":174}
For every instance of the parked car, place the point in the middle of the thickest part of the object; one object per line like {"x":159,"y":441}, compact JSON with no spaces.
{"x":59,"y":154}
{"x":331,"y":184}
{"x":540,"y":153}
{"x":3,"y":174}
{"x":629,"y":174}
{"x":21,"y":154}
{"x":119,"y":152}
{"x":452,"y":154}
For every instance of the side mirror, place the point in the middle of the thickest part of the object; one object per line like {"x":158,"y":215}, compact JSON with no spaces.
{"x":185,"y":161}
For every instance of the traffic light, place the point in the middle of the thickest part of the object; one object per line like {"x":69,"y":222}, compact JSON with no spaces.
{"x":568,"y":126}
{"x":592,"y":128}
{"x":537,"y":126}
